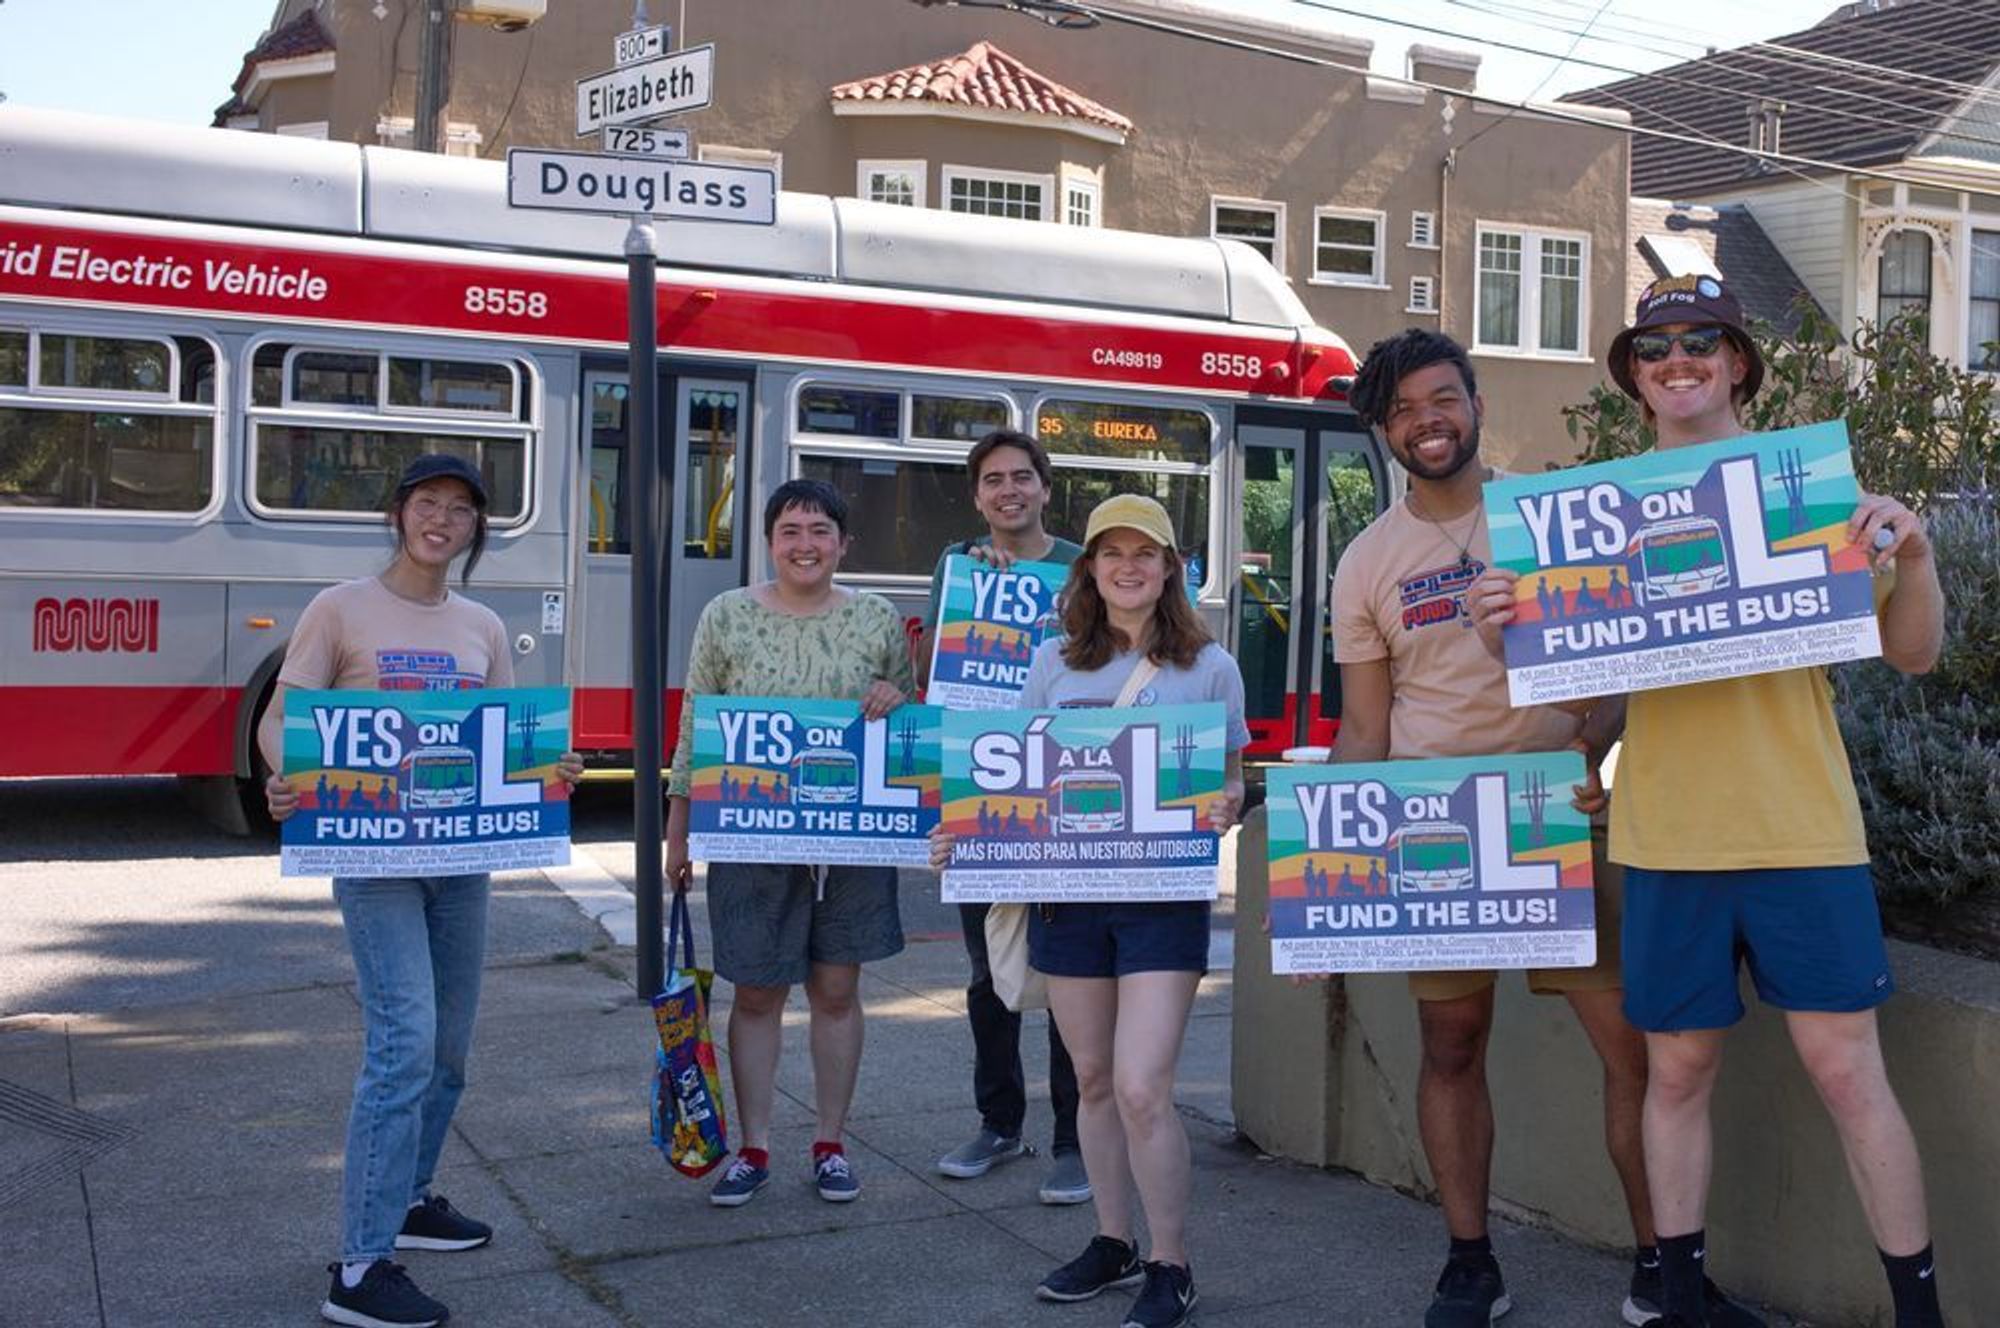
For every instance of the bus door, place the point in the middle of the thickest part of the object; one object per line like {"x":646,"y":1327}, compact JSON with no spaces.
{"x":703,"y":554}
{"x":1309,"y":483}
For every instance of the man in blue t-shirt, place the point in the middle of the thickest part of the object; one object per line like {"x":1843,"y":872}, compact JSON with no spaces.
{"x":1011,"y":483}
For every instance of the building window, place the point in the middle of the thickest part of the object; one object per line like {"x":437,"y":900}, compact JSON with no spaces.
{"x":303,"y":129}
{"x":1258,"y":224}
{"x":1983,"y":326}
{"x":1531,"y":295}
{"x":898,"y":182}
{"x":997,"y":193}
{"x":1423,"y":296}
{"x":1347,"y":247}
{"x":398,"y":131}
{"x":1423,"y":230}
{"x":762,"y":158}
{"x":1903,"y":276}
{"x":1082,"y":204}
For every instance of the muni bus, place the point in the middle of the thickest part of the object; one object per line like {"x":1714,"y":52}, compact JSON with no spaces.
{"x":1430,"y":857}
{"x":1679,"y":557}
{"x":438,"y":779}
{"x":826,"y":775}
{"x":218,"y":350}
{"x":1087,"y":802}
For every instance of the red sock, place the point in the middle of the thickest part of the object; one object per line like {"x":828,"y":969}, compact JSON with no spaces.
{"x":823,"y":1148}
{"x":756,"y":1157}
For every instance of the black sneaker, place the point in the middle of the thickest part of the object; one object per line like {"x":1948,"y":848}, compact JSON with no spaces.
{"x":1470,"y":1294}
{"x":1646,"y":1295}
{"x":1166,"y":1301}
{"x":435,"y":1225}
{"x":384,"y":1298}
{"x":1722,"y":1312}
{"x":1105,"y":1262}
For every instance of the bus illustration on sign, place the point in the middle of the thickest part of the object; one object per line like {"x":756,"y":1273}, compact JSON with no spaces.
{"x":1088,"y":802}
{"x":439,"y":778}
{"x":1430,"y":857}
{"x":826,"y":775}
{"x":1677,"y":558}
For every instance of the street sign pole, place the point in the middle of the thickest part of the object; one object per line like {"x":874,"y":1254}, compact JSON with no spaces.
{"x":652,"y":490}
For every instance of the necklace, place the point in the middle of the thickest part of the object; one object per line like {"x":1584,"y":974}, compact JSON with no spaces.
{"x":1464,"y":546}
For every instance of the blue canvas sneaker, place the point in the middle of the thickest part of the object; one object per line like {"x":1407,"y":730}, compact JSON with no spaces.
{"x":738,"y":1183}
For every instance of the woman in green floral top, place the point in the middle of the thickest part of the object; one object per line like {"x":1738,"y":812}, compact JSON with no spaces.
{"x":796,"y":635}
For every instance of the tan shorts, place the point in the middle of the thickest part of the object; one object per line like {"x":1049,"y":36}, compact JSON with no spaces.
{"x":1607,"y":974}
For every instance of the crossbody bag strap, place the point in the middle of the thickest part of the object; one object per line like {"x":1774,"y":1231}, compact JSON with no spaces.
{"x":1142,"y":673}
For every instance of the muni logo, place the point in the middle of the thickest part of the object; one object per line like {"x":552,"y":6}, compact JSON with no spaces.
{"x":127,"y":626}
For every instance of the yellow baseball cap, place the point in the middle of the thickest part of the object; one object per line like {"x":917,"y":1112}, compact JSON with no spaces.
{"x":1133,"y":512}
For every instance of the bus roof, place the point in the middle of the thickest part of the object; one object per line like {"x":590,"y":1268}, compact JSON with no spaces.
{"x":64,"y":159}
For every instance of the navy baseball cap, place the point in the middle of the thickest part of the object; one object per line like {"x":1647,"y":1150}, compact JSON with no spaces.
{"x":1701,"y":300}
{"x":443,"y":466}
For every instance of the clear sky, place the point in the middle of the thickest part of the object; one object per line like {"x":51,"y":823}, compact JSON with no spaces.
{"x":175,"y":59}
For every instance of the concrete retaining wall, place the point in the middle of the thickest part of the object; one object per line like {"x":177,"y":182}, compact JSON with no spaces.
{"x":1326,"y":1073}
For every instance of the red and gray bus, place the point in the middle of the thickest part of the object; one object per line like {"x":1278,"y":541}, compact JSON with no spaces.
{"x":218,"y":349}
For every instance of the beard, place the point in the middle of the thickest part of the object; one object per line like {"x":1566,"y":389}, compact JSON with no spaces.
{"x":1462,"y":455}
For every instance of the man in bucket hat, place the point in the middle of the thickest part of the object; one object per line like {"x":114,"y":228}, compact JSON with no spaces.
{"x":1738,"y":825}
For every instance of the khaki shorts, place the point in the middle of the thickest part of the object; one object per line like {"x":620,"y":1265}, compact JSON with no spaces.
{"x":1607,"y":974}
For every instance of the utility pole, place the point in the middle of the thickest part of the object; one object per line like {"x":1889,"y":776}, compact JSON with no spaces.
{"x":433,"y":75}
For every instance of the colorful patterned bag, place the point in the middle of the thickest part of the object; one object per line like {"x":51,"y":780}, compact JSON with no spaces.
{"x":688,"y":1124}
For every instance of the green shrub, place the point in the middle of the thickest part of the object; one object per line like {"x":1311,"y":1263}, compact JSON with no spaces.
{"x":1926,"y":750}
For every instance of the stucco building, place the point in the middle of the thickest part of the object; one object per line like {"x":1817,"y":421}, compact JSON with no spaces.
{"x":1386,"y":204}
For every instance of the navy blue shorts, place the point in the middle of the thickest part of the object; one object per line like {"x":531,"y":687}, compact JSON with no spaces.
{"x":1812,"y":937}
{"x":1111,"y":940}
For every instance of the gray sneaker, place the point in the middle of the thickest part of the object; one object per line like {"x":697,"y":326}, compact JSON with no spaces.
{"x":1066,"y":1183}
{"x":980,"y":1154}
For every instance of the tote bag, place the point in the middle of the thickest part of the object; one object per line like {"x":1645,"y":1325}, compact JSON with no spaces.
{"x":688,"y":1124}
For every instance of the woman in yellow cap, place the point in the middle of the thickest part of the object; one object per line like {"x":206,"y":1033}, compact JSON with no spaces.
{"x":1123,"y":975}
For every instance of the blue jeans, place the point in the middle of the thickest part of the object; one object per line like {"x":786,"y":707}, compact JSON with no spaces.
{"x":418,"y":943}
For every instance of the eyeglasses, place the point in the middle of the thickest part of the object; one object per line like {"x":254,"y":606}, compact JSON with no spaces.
{"x":459,"y":513}
{"x":1699,"y":343}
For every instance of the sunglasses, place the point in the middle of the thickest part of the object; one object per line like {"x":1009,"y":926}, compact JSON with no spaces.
{"x":1699,"y":343}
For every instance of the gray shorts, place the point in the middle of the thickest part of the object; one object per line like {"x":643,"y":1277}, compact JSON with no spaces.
{"x":771,"y":924}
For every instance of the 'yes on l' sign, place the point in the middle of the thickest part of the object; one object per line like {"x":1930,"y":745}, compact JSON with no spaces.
{"x":1357,"y":816}
{"x":1585,"y":525}
{"x":775,"y":738}
{"x":352,"y":738}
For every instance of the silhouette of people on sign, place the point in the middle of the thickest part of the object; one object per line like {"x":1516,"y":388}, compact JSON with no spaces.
{"x":1585,"y":601}
{"x":1543,"y":599}
{"x":1013,"y":822}
{"x":1347,"y":886}
{"x":1041,"y":822}
{"x":985,"y":819}
{"x":1375,"y":882}
{"x":1618,"y":594}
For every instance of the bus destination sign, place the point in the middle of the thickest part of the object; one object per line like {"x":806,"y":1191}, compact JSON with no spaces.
{"x":598,"y":182}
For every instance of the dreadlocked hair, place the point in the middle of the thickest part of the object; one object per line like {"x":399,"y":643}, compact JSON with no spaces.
{"x":1393,"y":359}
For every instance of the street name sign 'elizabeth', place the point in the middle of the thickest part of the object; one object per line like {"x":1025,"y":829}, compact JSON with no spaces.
{"x":596,"y":182}
{"x":647,"y":90}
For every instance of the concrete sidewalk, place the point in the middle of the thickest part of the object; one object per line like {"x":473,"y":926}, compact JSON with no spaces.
{"x":181,"y":1165}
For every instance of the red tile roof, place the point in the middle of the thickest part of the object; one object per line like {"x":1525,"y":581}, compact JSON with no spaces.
{"x":984,"y":77}
{"x":304,"y":35}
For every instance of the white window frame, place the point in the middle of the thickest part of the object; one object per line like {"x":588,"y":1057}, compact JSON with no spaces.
{"x":304,"y":129}
{"x":1423,"y":296}
{"x":1423,"y":224}
{"x":525,"y":425}
{"x":953,"y":173}
{"x":723,"y":154}
{"x":866,"y":169}
{"x":1090,"y":191}
{"x":1216,"y":202}
{"x":1373,"y":281}
{"x":1529,"y":347}
{"x":34,"y":393}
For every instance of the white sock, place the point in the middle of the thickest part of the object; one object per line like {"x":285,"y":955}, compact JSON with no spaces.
{"x":351,"y":1271}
